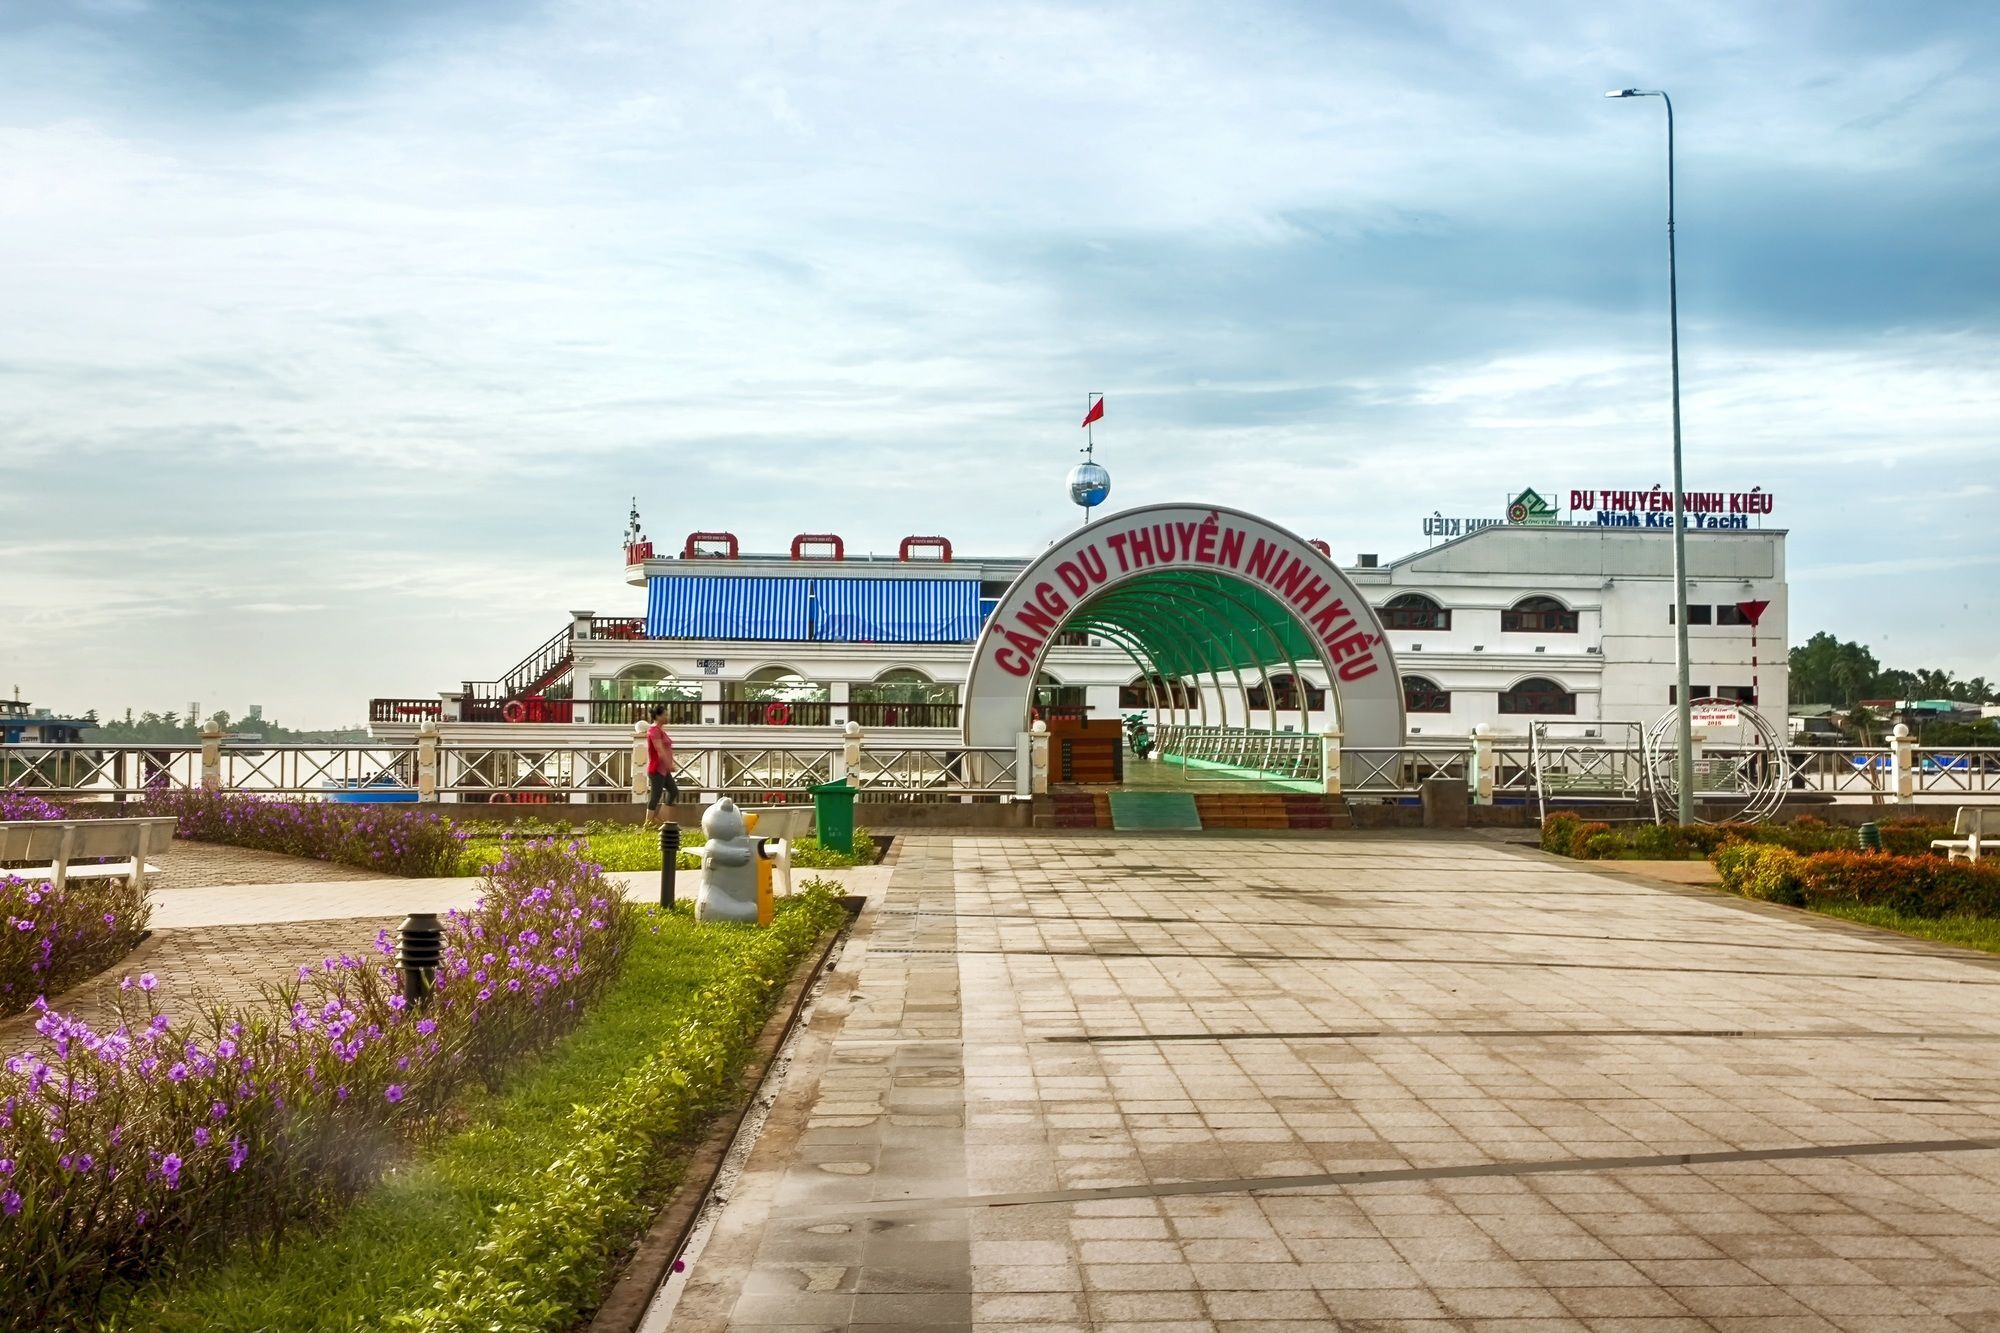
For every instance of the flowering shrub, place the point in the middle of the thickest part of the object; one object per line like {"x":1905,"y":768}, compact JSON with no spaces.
{"x":26,"y":805}
{"x":125,"y":1150}
{"x":51,"y":938}
{"x":388,"y":838}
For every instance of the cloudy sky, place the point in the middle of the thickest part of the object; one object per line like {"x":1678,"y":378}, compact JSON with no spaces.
{"x":336,"y":336}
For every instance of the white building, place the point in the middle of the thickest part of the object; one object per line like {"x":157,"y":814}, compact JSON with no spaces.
{"x":1504,"y":626}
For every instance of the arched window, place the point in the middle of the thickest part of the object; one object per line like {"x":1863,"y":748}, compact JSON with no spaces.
{"x":1055,"y":699}
{"x":1159,"y":692}
{"x":775,"y":684}
{"x":1423,"y":696}
{"x":1413,"y":610}
{"x":903,"y":685}
{"x":1538,"y":615}
{"x":644,"y":682}
{"x":1284,"y":692}
{"x":1537,"y":695}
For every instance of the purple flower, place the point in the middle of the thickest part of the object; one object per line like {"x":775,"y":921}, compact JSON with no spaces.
{"x":147,"y":981}
{"x":201,"y":1136}
{"x":426,"y":1026}
{"x":178,"y":1073}
{"x":394,"y":1092}
{"x":170,"y":1170}
{"x":10,"y":1203}
{"x":237,"y":1152}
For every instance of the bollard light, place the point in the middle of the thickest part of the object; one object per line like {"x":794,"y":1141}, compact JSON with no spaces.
{"x":670,"y":851}
{"x":1869,"y":837}
{"x":419,"y":951}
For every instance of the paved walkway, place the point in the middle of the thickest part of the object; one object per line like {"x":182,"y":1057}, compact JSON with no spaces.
{"x":1130,"y":1083}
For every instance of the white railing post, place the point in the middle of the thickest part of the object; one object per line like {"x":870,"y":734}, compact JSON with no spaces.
{"x":1038,"y":744}
{"x":1024,"y":766}
{"x":427,"y":760}
{"x":640,"y":787}
{"x":211,"y":755}
{"x":1903,"y":764}
{"x":1329,"y":759}
{"x":846,"y":765}
{"x":1479,"y":772}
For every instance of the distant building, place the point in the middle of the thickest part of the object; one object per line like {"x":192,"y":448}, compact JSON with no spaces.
{"x":21,"y":724}
{"x":1505,"y":626}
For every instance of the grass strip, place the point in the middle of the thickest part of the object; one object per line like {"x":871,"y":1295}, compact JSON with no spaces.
{"x":630,"y":847}
{"x":1969,"y":932}
{"x":434,"y":1216}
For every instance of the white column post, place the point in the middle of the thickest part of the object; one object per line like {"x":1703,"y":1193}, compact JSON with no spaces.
{"x":1024,"y":766}
{"x":1329,"y":759}
{"x":640,"y":789}
{"x":1903,"y":764}
{"x":1696,"y":739}
{"x":838,"y":697}
{"x":1038,"y":745}
{"x":427,"y":760}
{"x":847,"y":764}
{"x":211,"y":755}
{"x":1479,"y":772}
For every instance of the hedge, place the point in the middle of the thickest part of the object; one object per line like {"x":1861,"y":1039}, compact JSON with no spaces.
{"x":1567,"y":835}
{"x":545,"y":1263}
{"x":1920,"y":886}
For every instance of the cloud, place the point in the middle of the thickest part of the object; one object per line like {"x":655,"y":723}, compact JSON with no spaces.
{"x":383,"y":312}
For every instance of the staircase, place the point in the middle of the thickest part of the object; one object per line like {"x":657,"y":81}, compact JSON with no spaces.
{"x":529,"y":678}
{"x":1301,"y":811}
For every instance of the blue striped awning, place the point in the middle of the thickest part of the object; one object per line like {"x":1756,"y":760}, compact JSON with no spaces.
{"x":709,"y":606}
{"x":895,"y":610}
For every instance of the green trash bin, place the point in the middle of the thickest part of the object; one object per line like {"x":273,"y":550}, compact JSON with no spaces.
{"x":833,"y":806}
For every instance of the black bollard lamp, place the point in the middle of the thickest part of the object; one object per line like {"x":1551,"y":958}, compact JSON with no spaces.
{"x":419,"y":951}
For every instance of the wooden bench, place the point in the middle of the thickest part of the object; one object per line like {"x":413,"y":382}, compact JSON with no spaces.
{"x":52,"y":848}
{"x":1967,"y":825}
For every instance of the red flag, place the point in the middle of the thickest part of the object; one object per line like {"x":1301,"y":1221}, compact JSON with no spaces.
{"x":1096,"y":412}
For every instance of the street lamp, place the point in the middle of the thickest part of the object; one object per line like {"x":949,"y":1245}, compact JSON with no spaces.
{"x":1686,"y":760}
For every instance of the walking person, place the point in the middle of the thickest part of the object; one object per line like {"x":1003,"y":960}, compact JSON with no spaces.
{"x":660,"y":765}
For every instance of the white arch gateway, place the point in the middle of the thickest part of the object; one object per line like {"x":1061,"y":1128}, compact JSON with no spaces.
{"x":1248,"y":561}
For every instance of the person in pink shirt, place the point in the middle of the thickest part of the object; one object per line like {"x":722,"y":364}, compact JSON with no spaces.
{"x":660,"y":765}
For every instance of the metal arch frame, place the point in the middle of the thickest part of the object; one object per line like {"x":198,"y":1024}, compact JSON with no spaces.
{"x":1147,"y":624}
{"x":1215,"y":587}
{"x":1148,"y":599}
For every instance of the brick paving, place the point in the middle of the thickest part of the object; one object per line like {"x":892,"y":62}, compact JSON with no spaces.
{"x":1192,"y":1084}
{"x":207,"y":965}
{"x":225,"y":962}
{"x":201,"y":865}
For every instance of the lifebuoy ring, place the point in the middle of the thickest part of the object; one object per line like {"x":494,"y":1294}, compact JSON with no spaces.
{"x":513,"y":710}
{"x":777,"y":715}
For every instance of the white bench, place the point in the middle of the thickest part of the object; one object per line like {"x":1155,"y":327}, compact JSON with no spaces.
{"x":1967,"y":825}
{"x":53,"y":847}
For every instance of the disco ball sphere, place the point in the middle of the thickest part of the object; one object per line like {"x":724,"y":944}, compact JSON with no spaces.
{"x":1089,"y":484}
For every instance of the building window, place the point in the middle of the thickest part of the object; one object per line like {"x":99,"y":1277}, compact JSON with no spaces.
{"x":1694,"y":692}
{"x":1726,"y":613}
{"x":1697,"y":613}
{"x":1413,"y":610}
{"x":1159,"y":692}
{"x":1284,"y":694}
{"x":1742,"y":694}
{"x":1538,"y":615}
{"x":1424,"y":696}
{"x":1537,"y":695}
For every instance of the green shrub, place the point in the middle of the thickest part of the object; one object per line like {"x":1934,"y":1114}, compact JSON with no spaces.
{"x":1757,"y":870}
{"x":1593,"y":842}
{"x":546,"y":1259}
{"x":1559,"y":833}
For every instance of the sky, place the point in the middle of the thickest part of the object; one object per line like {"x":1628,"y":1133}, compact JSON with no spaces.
{"x":337,"y":338}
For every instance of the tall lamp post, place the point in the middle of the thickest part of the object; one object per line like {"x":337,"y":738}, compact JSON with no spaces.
{"x":1686,"y":783}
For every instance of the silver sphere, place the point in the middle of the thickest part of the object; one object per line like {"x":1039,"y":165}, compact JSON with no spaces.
{"x":1089,"y":484}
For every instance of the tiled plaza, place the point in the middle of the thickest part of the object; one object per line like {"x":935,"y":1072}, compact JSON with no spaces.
{"x":1192,"y":1083}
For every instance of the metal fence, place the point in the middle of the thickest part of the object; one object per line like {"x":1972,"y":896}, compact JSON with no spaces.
{"x":584,"y":771}
{"x":1237,"y":752}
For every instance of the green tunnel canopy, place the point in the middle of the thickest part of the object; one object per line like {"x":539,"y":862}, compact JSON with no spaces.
{"x":1188,"y":622}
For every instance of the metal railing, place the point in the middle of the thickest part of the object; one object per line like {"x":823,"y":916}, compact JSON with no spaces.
{"x":584,"y":771}
{"x":680,"y":712}
{"x":1288,"y":755}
